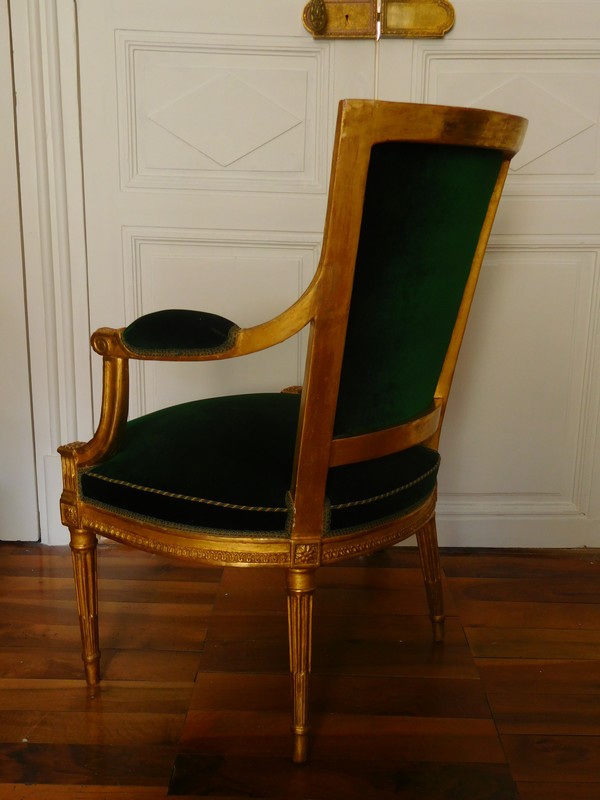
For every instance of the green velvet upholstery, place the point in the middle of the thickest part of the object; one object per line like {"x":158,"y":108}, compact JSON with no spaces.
{"x":424,"y":207}
{"x":179,"y":332}
{"x":224,"y":464}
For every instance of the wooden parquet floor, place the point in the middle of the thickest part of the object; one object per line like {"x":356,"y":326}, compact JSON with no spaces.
{"x":195,"y":696}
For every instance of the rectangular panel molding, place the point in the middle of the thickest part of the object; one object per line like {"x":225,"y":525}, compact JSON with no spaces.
{"x":219,"y":113}
{"x":521,"y":433}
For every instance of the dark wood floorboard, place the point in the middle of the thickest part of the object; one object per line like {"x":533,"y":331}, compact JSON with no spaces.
{"x":195,"y":696}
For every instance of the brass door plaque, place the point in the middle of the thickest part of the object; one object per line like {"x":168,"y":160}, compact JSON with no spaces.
{"x":370,"y":19}
{"x":341,"y":19}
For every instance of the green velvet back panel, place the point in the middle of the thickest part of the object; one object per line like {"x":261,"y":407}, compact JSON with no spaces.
{"x":424,"y":209}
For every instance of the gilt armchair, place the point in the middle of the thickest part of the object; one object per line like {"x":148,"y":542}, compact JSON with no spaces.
{"x":347,"y":465}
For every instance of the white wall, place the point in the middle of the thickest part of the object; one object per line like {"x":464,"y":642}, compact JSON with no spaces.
{"x":18,"y":499}
{"x":45,"y":67}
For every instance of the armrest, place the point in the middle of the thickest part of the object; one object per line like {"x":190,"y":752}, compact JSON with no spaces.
{"x":179,"y":333}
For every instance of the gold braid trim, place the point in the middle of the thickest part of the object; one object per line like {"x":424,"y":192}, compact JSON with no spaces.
{"x":391,"y":492}
{"x":267,"y":509}
{"x":176,"y":496}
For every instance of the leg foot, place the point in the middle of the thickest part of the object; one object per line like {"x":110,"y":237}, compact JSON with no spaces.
{"x":300,"y":749}
{"x":438,"y":629}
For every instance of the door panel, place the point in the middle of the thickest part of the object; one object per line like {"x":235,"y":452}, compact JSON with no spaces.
{"x":206,"y":142}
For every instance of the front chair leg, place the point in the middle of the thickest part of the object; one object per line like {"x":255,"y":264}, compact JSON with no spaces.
{"x":300,"y":585}
{"x":83,"y":549}
{"x":432,"y":574}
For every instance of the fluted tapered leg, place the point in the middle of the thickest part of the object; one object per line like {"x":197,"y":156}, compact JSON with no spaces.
{"x":83,"y":549}
{"x":301,"y":586}
{"x":432,"y":574}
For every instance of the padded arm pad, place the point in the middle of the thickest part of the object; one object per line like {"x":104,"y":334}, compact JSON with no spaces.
{"x":179,"y":333}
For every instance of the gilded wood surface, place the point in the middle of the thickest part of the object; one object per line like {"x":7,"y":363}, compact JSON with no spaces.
{"x":350,"y":449}
{"x":83,"y":548}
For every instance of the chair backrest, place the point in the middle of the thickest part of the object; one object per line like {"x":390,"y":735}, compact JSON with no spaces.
{"x":423,"y":213}
{"x":414,"y":190}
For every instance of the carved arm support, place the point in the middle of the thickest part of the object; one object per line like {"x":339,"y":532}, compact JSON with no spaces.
{"x":113,"y":417}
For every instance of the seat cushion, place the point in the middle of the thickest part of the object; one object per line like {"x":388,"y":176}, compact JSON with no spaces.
{"x":224,"y":465}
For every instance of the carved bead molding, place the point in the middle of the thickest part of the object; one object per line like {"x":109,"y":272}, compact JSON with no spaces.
{"x":207,"y":554}
{"x":339,"y":549}
{"x":372,"y":19}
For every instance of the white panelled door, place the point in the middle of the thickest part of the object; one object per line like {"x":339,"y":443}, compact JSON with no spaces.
{"x":206,"y":144}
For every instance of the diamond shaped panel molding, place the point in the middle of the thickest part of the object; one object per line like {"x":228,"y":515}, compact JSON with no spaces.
{"x":225,"y":119}
{"x":552,"y":122}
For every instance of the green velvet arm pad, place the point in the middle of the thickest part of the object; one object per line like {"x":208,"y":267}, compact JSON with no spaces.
{"x":176,"y":332}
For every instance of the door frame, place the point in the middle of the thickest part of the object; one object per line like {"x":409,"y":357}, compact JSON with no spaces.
{"x":18,"y":510}
{"x":44,"y":36}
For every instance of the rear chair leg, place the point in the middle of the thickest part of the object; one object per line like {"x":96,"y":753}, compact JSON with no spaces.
{"x":83,"y":550}
{"x":301,"y":586}
{"x":432,"y":574}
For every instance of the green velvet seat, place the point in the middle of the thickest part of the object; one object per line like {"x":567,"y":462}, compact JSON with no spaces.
{"x":224,"y":465}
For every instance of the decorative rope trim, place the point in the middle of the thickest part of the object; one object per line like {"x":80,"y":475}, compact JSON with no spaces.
{"x":176,"y":496}
{"x":391,"y":493}
{"x":347,"y":550}
{"x":265,"y":509}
